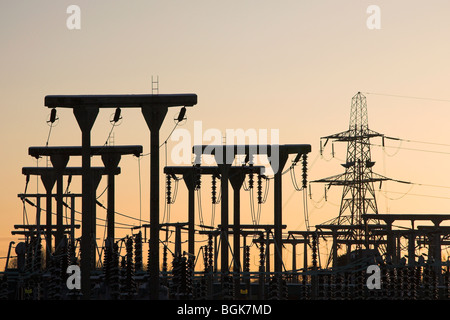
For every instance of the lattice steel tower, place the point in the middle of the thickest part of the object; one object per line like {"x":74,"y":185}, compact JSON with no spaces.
{"x":358,"y":195}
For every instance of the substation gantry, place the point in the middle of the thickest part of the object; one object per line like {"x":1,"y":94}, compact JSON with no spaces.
{"x":154,"y":109}
{"x":224,"y":156}
{"x":59,"y":157}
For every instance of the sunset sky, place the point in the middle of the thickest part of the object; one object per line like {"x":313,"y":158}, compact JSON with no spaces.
{"x":291,"y":65}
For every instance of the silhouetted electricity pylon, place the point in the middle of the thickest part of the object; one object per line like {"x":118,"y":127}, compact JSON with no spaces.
{"x":358,"y":195}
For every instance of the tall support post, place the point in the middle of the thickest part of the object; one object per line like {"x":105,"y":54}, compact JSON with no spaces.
{"x":268,"y":254}
{"x":154,"y":118}
{"x":236,"y":180}
{"x":294,"y":261}
{"x":188,"y":178}
{"x":96,"y":177}
{"x":111,"y":161}
{"x":278,"y":261}
{"x":59,"y":162}
{"x":59,"y":212}
{"x":224,"y":176}
{"x":390,"y":250}
{"x":411,"y":248}
{"x":72,"y":219}
{"x":305,"y":252}
{"x":38,"y":216}
{"x":86,"y":118}
{"x":335,"y":247}
{"x":110,"y":214}
{"x":48,"y":180}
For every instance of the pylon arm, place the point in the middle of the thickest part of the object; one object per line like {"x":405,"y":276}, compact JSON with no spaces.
{"x":350,"y":135}
{"x":339,"y":180}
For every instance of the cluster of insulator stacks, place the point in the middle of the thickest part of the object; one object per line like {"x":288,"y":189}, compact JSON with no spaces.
{"x":36,"y":277}
{"x":399,"y":282}
{"x":123,"y":276}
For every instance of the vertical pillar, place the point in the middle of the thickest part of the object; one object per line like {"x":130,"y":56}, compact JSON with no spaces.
{"x":48,"y":180}
{"x":224,"y":176}
{"x":111,"y":161}
{"x":177,"y":240}
{"x":38,"y":216}
{"x":305,"y":252}
{"x":59,"y":162}
{"x":267,"y":254}
{"x":411,"y":247}
{"x":390,"y":239}
{"x":335,"y":247}
{"x":59,"y":212}
{"x":86,"y":118}
{"x":278,"y":261}
{"x":96,"y":177}
{"x":188,"y":178}
{"x":236,"y":180}
{"x":72,"y":220}
{"x":294,"y":260}
{"x":110,"y":213}
{"x":154,"y":118}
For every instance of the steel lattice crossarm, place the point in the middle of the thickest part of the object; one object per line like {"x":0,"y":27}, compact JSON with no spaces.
{"x":340,"y":180}
{"x":351,"y":135}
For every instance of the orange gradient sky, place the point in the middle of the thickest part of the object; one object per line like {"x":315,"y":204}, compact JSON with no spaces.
{"x":287,"y":65}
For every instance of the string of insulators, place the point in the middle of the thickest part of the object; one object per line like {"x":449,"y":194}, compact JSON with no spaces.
{"x":304,"y":170}
{"x":314,"y":250}
{"x":205,"y":257}
{"x":214,"y":190}
{"x":247,"y":259}
{"x":198,"y":179}
{"x":273,"y":289}
{"x":262,"y":253}
{"x":117,"y":115}
{"x":259,"y":189}
{"x":250,"y":180}
{"x":227,"y":288}
{"x":210,"y":250}
{"x":107,"y":264}
{"x":168,"y":189}
{"x":138,"y":251}
{"x":181,"y":114}
{"x":164,"y":264}
{"x":114,"y":284}
{"x":129,"y":261}
{"x":52,"y":116}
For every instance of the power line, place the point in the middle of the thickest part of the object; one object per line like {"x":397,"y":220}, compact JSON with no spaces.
{"x":407,"y":97}
{"x":415,"y":194}
{"x":417,"y":141}
{"x":410,"y":149}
